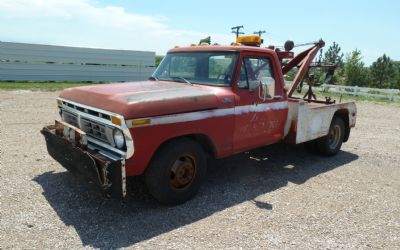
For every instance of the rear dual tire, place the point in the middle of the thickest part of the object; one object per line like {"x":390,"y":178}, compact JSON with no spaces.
{"x":330,"y":144}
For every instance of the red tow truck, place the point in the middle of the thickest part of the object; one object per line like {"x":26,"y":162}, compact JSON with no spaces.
{"x":203,"y":101}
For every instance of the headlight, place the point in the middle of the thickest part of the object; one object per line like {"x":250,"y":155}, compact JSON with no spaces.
{"x":119,"y":138}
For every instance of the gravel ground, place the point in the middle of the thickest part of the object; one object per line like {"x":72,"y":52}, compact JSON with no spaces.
{"x":273,"y":197}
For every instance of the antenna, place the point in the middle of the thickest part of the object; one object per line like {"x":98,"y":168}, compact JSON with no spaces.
{"x":259,"y":32}
{"x":236,"y":30}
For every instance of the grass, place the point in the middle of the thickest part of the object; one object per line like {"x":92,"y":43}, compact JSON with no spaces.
{"x":347,"y":98}
{"x":44,"y":86}
{"x":335,"y":96}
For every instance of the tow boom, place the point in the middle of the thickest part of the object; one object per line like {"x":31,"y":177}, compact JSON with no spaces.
{"x":303,"y":62}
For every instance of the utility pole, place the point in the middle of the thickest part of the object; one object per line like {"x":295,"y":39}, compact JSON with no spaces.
{"x":236,"y":30}
{"x":259,"y":32}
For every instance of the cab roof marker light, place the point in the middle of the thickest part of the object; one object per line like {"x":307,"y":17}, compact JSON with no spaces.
{"x":250,"y":40}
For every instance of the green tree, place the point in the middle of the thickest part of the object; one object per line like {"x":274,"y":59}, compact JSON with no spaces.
{"x":333,"y":55}
{"x":397,"y":82}
{"x":158,"y":60}
{"x":383,"y":72}
{"x":354,"y":71}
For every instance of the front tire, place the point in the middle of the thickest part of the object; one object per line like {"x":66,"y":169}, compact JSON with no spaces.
{"x":330,"y":144}
{"x":175,"y":174}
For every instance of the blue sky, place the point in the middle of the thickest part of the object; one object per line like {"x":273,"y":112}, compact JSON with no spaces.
{"x":371,"y":26}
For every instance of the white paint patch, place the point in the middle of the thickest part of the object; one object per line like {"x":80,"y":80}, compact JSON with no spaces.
{"x":316,"y":124}
{"x":260,"y":107}
{"x":201,"y":115}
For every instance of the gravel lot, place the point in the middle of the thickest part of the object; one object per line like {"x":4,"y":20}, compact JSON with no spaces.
{"x":273,"y":197}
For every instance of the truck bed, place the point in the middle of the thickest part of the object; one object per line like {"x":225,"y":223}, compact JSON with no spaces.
{"x":311,"y":120}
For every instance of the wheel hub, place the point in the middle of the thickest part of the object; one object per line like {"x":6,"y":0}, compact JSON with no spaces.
{"x":334,"y":136}
{"x":182,"y":172}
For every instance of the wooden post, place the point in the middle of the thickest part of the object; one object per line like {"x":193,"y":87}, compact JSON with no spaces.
{"x":391,"y":95}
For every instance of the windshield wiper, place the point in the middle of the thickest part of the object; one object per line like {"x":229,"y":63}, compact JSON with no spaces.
{"x":181,"y":78}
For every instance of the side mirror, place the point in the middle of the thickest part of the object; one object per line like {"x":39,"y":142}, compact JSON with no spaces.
{"x":267,"y":88}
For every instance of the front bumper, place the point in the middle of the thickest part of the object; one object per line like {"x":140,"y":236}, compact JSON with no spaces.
{"x":68,"y":146}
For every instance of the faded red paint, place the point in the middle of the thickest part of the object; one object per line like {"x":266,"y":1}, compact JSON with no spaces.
{"x":228,"y":134}
{"x":148,"y":98}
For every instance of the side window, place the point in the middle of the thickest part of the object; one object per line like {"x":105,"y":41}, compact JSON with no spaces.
{"x":242,"y":83}
{"x":253,"y":71}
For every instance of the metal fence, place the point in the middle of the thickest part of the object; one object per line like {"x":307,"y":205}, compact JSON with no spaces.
{"x":390,"y":94}
{"x":34,"y":62}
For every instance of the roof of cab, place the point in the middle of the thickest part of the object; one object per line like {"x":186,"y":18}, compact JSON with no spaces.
{"x":222,"y":48}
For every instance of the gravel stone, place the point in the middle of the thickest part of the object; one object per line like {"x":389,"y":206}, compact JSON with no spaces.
{"x":271,"y":198}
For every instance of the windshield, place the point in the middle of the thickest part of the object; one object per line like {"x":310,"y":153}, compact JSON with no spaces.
{"x":209,"y":68}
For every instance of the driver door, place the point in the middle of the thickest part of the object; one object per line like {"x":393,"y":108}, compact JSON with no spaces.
{"x":259,"y":116}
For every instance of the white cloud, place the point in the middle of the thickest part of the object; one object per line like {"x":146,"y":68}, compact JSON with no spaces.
{"x":83,"y":23}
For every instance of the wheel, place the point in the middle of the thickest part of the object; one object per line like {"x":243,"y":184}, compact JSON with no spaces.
{"x":175,"y":174}
{"x":330,"y":144}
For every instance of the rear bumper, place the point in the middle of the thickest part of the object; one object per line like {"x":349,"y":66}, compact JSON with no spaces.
{"x":108,"y":175}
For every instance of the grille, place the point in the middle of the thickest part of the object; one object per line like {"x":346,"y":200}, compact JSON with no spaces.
{"x":87,"y":111}
{"x":70,"y":118}
{"x":94,"y":129}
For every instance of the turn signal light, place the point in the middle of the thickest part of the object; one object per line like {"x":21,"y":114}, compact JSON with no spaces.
{"x":116,"y":121}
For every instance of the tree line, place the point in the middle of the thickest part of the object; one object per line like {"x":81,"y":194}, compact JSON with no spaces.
{"x":351,"y":70}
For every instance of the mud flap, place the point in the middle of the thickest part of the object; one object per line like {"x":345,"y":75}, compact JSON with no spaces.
{"x":107,"y":174}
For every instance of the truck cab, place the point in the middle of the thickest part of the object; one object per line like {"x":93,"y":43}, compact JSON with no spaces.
{"x":251,"y":118}
{"x":202,"y":101}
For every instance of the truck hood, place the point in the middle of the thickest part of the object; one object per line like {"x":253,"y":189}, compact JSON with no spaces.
{"x":144,"y":99}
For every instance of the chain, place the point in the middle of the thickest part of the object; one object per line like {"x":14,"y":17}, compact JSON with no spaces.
{"x":320,"y":56}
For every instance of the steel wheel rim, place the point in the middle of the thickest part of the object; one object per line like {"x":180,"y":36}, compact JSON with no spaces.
{"x":334,"y":136}
{"x":183,"y":171}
